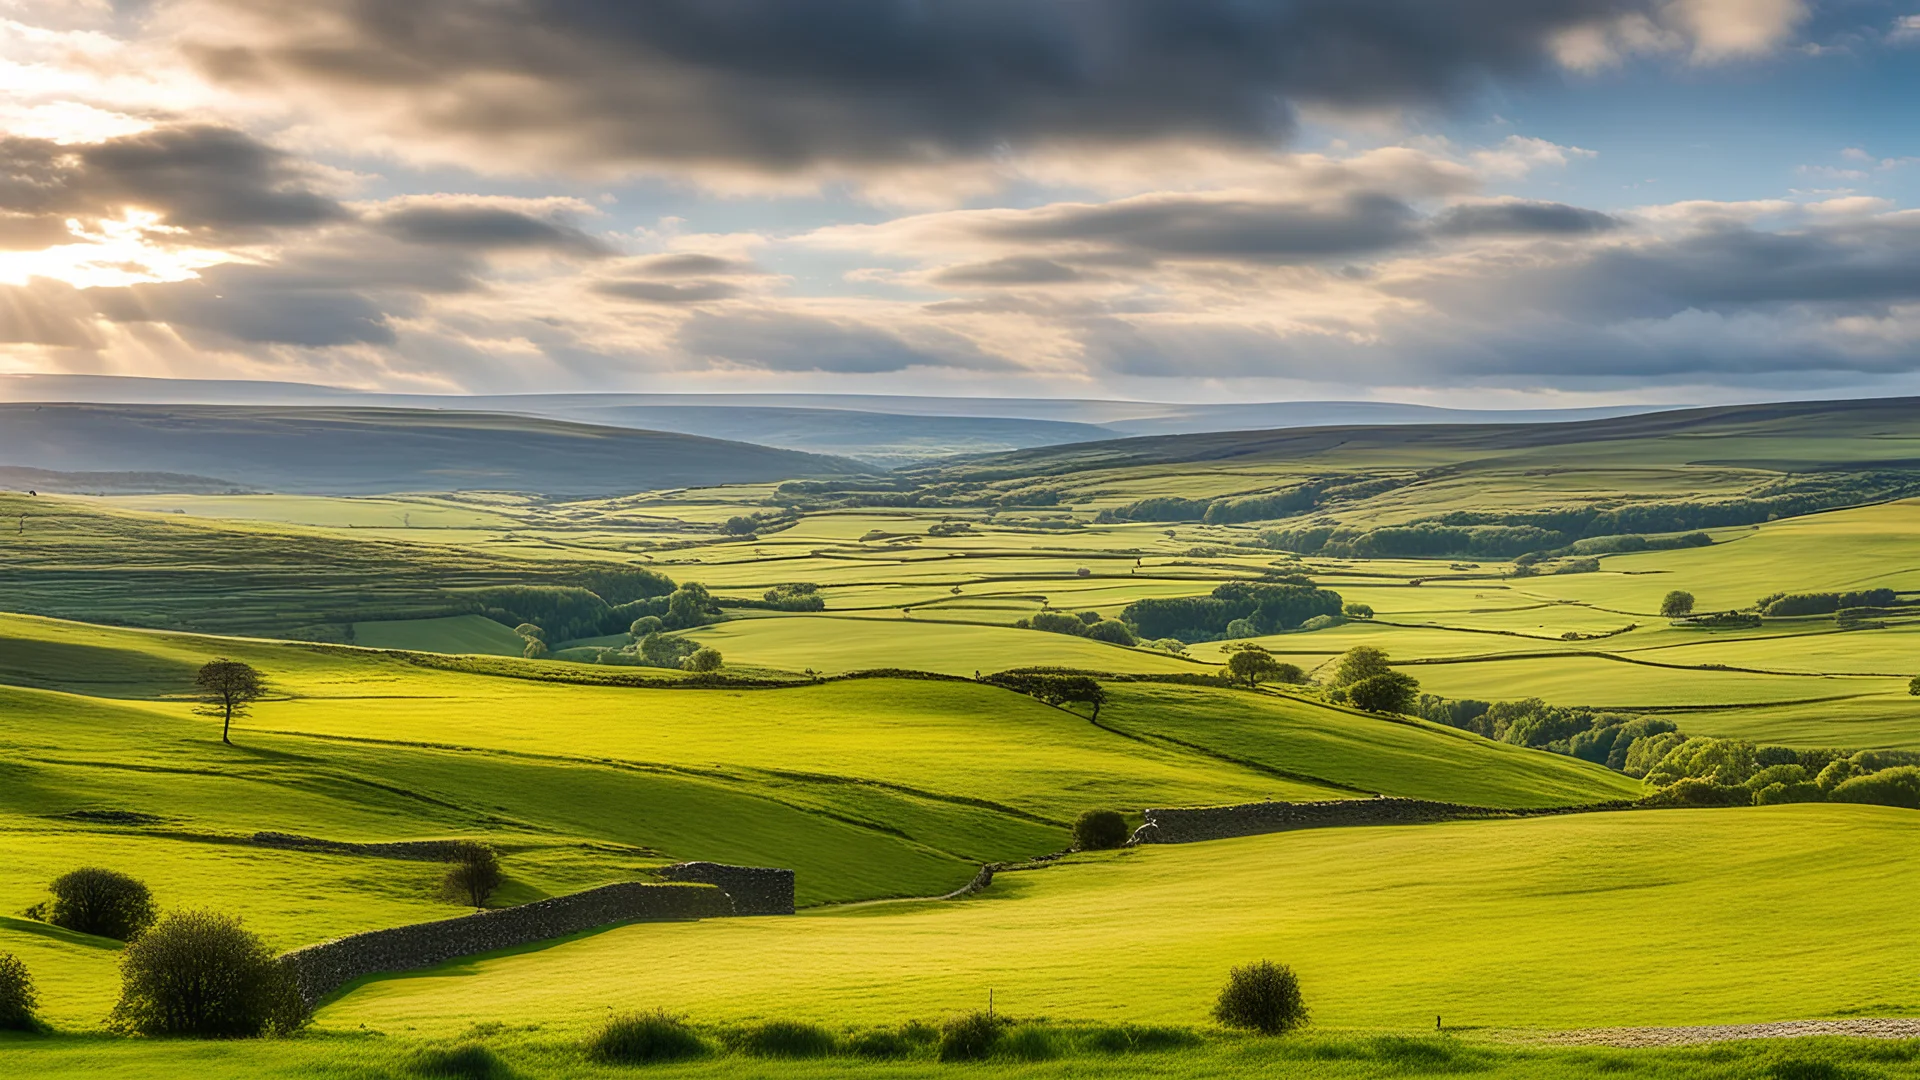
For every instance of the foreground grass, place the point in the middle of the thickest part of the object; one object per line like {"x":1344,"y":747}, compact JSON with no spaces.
{"x":533,"y":1053}
{"x":1638,"y":918}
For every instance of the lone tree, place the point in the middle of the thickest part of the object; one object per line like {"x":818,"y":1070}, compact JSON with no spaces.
{"x":1360,"y":662}
{"x":475,"y":872}
{"x":1676,"y":604}
{"x":227,"y":689}
{"x":1389,"y":692}
{"x":1252,"y":666}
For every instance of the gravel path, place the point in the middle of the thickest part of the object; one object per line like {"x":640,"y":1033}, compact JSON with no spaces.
{"x":1880,"y":1028}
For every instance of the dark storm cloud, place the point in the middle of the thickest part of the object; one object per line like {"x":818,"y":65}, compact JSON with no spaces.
{"x":784,"y":341}
{"x":486,"y":228}
{"x":214,"y":181}
{"x":1521,"y":219}
{"x":780,"y":85}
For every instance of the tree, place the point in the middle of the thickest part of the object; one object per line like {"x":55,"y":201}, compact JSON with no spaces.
{"x":741,"y":526}
{"x":227,"y":689}
{"x":1388,"y":692}
{"x":535,"y":650}
{"x":17,"y":996}
{"x":1252,"y":666}
{"x":705,"y":658}
{"x":688,"y":606}
{"x":1360,"y":662}
{"x":1263,"y":997}
{"x":1676,"y":605}
{"x":475,"y":872}
{"x":106,"y":903}
{"x":1358,"y":611}
{"x":1913,"y":687}
{"x":201,"y":973}
{"x":644,"y":625}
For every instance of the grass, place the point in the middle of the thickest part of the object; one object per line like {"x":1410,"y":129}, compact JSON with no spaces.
{"x":1652,"y":917}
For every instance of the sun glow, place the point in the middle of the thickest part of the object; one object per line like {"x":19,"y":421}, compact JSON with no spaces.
{"x":128,"y":251}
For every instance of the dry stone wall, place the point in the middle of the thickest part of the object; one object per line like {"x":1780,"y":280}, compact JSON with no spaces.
{"x":414,"y":850}
{"x":321,"y":969}
{"x":1188,"y":825}
{"x":755,"y":890}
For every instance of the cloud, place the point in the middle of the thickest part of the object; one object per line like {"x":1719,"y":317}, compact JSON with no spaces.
{"x":786,"y":87}
{"x":790,"y":341}
{"x":666,"y":292}
{"x":1517,"y":217}
{"x":488,"y":225}
{"x":1012,"y":270}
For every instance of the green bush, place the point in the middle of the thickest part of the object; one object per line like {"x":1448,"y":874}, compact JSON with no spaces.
{"x":1392,"y":692}
{"x":1130,"y":1039}
{"x":1789,"y":792}
{"x":466,"y":1061}
{"x":1111,"y":631}
{"x":969,"y":1038}
{"x":880,"y":1044}
{"x":1099,"y":830}
{"x":705,"y":658}
{"x":1694,"y":791}
{"x":103,"y":902}
{"x":644,"y":625}
{"x":1888,"y":787}
{"x":1030,"y":1042}
{"x":787,"y":1039}
{"x":1263,"y":997}
{"x":1360,"y":662}
{"x":1776,"y":774}
{"x":18,"y":999}
{"x":1837,"y":773}
{"x":644,"y":1039}
{"x":1357,"y":611}
{"x":1676,"y":604}
{"x":202,"y":974}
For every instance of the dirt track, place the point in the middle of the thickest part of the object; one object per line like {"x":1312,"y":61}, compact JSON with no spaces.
{"x":1882,"y":1028}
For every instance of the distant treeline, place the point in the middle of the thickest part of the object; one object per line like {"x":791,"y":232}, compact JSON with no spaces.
{"x":1265,"y":608}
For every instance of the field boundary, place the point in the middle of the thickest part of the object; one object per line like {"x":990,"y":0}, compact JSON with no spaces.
{"x":1196,"y":824}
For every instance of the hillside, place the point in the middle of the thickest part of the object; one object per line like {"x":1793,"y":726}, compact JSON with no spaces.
{"x":343,"y":450}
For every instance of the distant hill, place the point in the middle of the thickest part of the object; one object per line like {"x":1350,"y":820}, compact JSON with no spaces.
{"x":340,"y":450}
{"x":115,"y":483}
{"x":885,"y":430}
{"x":1800,"y":436}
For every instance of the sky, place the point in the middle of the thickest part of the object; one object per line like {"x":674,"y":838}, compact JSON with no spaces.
{"x":1481,"y":203}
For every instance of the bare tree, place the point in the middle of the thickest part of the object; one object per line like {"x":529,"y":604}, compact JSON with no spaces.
{"x":227,"y":688}
{"x":475,"y":872}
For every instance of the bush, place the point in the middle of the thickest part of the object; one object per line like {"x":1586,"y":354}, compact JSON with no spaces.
{"x":1099,"y":830}
{"x":107,"y":903}
{"x":1291,"y":674}
{"x":1357,"y":611}
{"x":1030,"y":1042}
{"x":1128,"y":1038}
{"x":1263,"y":997}
{"x":969,"y":1038}
{"x":880,"y":1044}
{"x":1793,"y":791}
{"x":1913,"y":686}
{"x":788,"y":1039}
{"x":643,"y":1039}
{"x":644,"y":625}
{"x":1676,"y":604}
{"x":1392,"y":692}
{"x":1111,"y":631}
{"x":1241,"y":629}
{"x":201,"y":973}
{"x":1837,"y":773}
{"x":1695,"y":791}
{"x":1888,"y":787}
{"x":466,"y":1061}
{"x":18,"y":999}
{"x":705,"y":658}
{"x":475,"y":873}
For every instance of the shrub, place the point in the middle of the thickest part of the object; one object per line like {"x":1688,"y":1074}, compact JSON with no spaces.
{"x":1263,"y":997}
{"x":880,"y":1044}
{"x":1776,"y":774}
{"x":1391,"y":692}
{"x":1888,"y":787}
{"x":108,"y":903}
{"x":705,"y":658}
{"x":1795,"y":791}
{"x":969,"y":1038}
{"x":475,"y":873}
{"x":1695,"y":791}
{"x":1913,"y":686}
{"x":1357,"y":611}
{"x":466,"y":1061}
{"x":1111,"y":631}
{"x":1099,"y":830}
{"x":644,"y":625}
{"x":1291,"y":674}
{"x":201,"y":973}
{"x":1676,"y":604}
{"x":18,"y":999}
{"x":1239,"y":629}
{"x":1321,"y":622}
{"x":1128,"y":1038}
{"x":643,"y":1039}
{"x":788,"y":1039}
{"x":1058,"y":622}
{"x":1030,"y":1042}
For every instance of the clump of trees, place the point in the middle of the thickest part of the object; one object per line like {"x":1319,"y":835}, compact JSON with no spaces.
{"x":797,"y":596}
{"x":474,"y":874}
{"x":1087,"y":624}
{"x":1263,"y":997}
{"x":1783,"y":605}
{"x":1253,"y":665}
{"x":95,"y":900}
{"x":1266,"y":608}
{"x":1053,"y":688}
{"x":1099,"y":830}
{"x":703,"y":659}
{"x":228,"y":689}
{"x":203,"y":974}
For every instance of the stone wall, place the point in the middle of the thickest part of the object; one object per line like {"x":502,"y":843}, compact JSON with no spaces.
{"x":755,"y":890}
{"x":1184,"y":826}
{"x":415,"y":850}
{"x":321,"y":969}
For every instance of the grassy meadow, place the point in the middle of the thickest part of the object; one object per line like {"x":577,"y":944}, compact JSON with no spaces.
{"x":854,"y":745}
